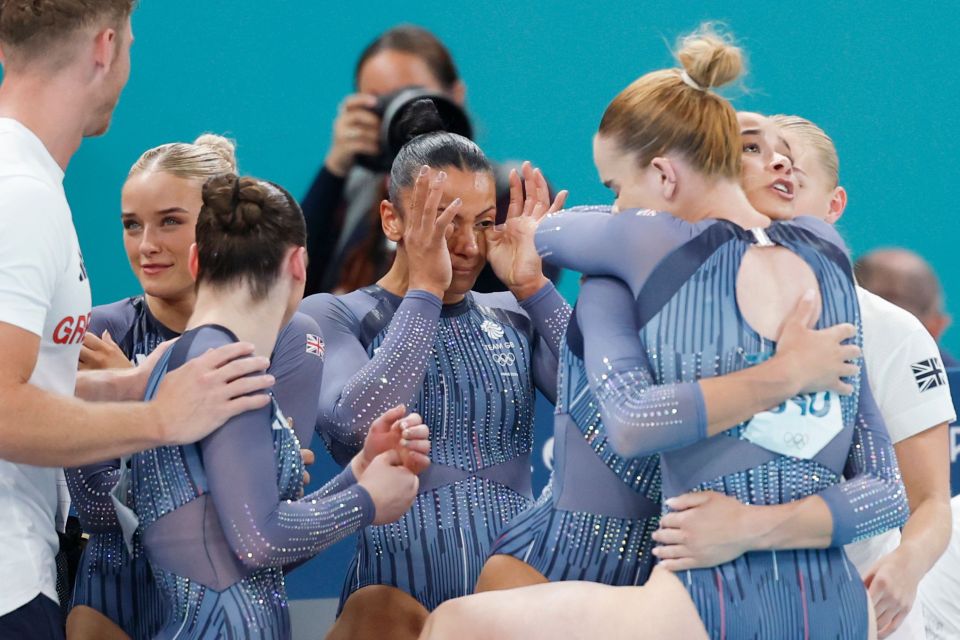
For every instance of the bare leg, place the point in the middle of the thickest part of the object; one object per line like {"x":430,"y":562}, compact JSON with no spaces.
{"x":506,"y":572}
{"x":660,"y":609}
{"x":85,"y":623}
{"x":371,"y":610}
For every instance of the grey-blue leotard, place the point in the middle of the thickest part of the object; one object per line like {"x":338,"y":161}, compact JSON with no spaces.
{"x":469,"y":369}
{"x":647,"y":342}
{"x":220,"y":518}
{"x":109,"y":580}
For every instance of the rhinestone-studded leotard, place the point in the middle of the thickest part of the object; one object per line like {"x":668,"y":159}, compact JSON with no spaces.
{"x":645,"y":348}
{"x":108,"y":579}
{"x":469,"y":369}
{"x":219,"y":518}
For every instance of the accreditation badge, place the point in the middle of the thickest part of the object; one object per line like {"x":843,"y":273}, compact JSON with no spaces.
{"x":800,"y":427}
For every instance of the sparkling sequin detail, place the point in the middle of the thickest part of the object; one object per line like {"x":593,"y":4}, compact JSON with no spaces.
{"x":108,"y":579}
{"x":168,"y":481}
{"x":474,"y":387}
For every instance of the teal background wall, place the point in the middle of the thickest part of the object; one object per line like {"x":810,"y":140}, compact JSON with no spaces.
{"x":881,"y":78}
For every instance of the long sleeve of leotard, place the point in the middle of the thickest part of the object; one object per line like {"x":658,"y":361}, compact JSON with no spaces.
{"x":872,"y":499}
{"x":626,"y":245}
{"x":263,"y":530}
{"x":641,"y":417}
{"x":297,"y":365}
{"x":90,"y":485}
{"x":550,"y":314}
{"x":240,"y":464}
{"x":357,"y":388}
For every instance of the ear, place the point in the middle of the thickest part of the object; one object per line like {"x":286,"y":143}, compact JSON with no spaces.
{"x":459,"y":93}
{"x":194,"y":262}
{"x":391,"y":221}
{"x":297,"y":264}
{"x":105,"y":46}
{"x":838,"y":203}
{"x":936,"y":323}
{"x":666,"y":176}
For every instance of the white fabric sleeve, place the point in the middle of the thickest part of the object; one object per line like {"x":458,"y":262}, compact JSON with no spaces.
{"x":33,"y":251}
{"x":909,"y":382}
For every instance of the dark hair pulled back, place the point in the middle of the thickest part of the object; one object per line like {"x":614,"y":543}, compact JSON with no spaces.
{"x":245,"y":227}
{"x":416,"y":41}
{"x":427,"y":143}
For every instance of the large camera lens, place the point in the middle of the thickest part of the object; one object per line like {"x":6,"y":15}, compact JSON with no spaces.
{"x":390,"y":108}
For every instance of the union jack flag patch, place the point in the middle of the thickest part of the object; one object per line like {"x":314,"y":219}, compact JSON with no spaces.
{"x":928,"y":374}
{"x":315,"y":345}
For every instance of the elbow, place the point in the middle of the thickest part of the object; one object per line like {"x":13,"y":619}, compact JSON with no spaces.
{"x":254,"y":561}
{"x":623,"y":438}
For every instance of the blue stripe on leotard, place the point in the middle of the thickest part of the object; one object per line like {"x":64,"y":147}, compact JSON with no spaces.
{"x":469,"y":370}
{"x":691,"y":328}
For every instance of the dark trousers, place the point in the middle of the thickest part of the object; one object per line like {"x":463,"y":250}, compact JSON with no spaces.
{"x":39,"y":619}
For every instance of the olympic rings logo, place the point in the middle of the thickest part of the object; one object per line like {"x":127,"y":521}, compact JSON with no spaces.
{"x":797,"y":440}
{"x":504,"y":359}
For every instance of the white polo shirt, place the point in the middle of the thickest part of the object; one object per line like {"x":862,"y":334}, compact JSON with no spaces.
{"x":43,"y":290}
{"x":909,"y":384}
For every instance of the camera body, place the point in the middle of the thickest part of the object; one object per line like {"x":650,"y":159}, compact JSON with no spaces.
{"x":390,"y":108}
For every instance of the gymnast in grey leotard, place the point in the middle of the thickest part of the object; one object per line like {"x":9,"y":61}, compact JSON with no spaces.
{"x":677,"y":321}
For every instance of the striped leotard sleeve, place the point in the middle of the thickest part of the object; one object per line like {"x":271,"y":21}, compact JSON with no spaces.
{"x":872,"y":499}
{"x":550,"y":315}
{"x":91,"y":484}
{"x":357,"y":388}
{"x":641,"y":417}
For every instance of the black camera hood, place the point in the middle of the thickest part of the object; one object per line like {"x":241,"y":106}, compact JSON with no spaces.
{"x":390,"y":108}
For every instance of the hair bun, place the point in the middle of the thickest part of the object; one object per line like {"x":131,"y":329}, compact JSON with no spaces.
{"x":419,"y":118}
{"x":710,"y":57}
{"x":224,"y":147}
{"x":236,"y":204}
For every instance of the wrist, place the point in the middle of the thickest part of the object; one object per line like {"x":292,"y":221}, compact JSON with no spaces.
{"x":337,"y":164}
{"x":358,"y":465}
{"x":757,"y":526}
{"x":528,"y":289}
{"x":785,"y":373}
{"x":429,"y":287}
{"x":158,"y":432}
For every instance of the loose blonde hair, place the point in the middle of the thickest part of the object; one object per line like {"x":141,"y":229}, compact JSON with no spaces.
{"x":208,"y":156}
{"x":674,"y":109}
{"x":818,"y":140}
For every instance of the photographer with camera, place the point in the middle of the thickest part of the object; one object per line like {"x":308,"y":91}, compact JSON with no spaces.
{"x":346,"y":244}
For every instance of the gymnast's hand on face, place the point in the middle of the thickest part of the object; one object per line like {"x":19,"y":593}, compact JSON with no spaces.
{"x":356,"y":131}
{"x":425,"y":232}
{"x":396,"y":431}
{"x":510,"y":247}
{"x":101,"y":353}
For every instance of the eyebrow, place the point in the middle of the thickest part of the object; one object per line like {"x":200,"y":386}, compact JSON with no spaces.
{"x":161,"y":212}
{"x":750,"y":132}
